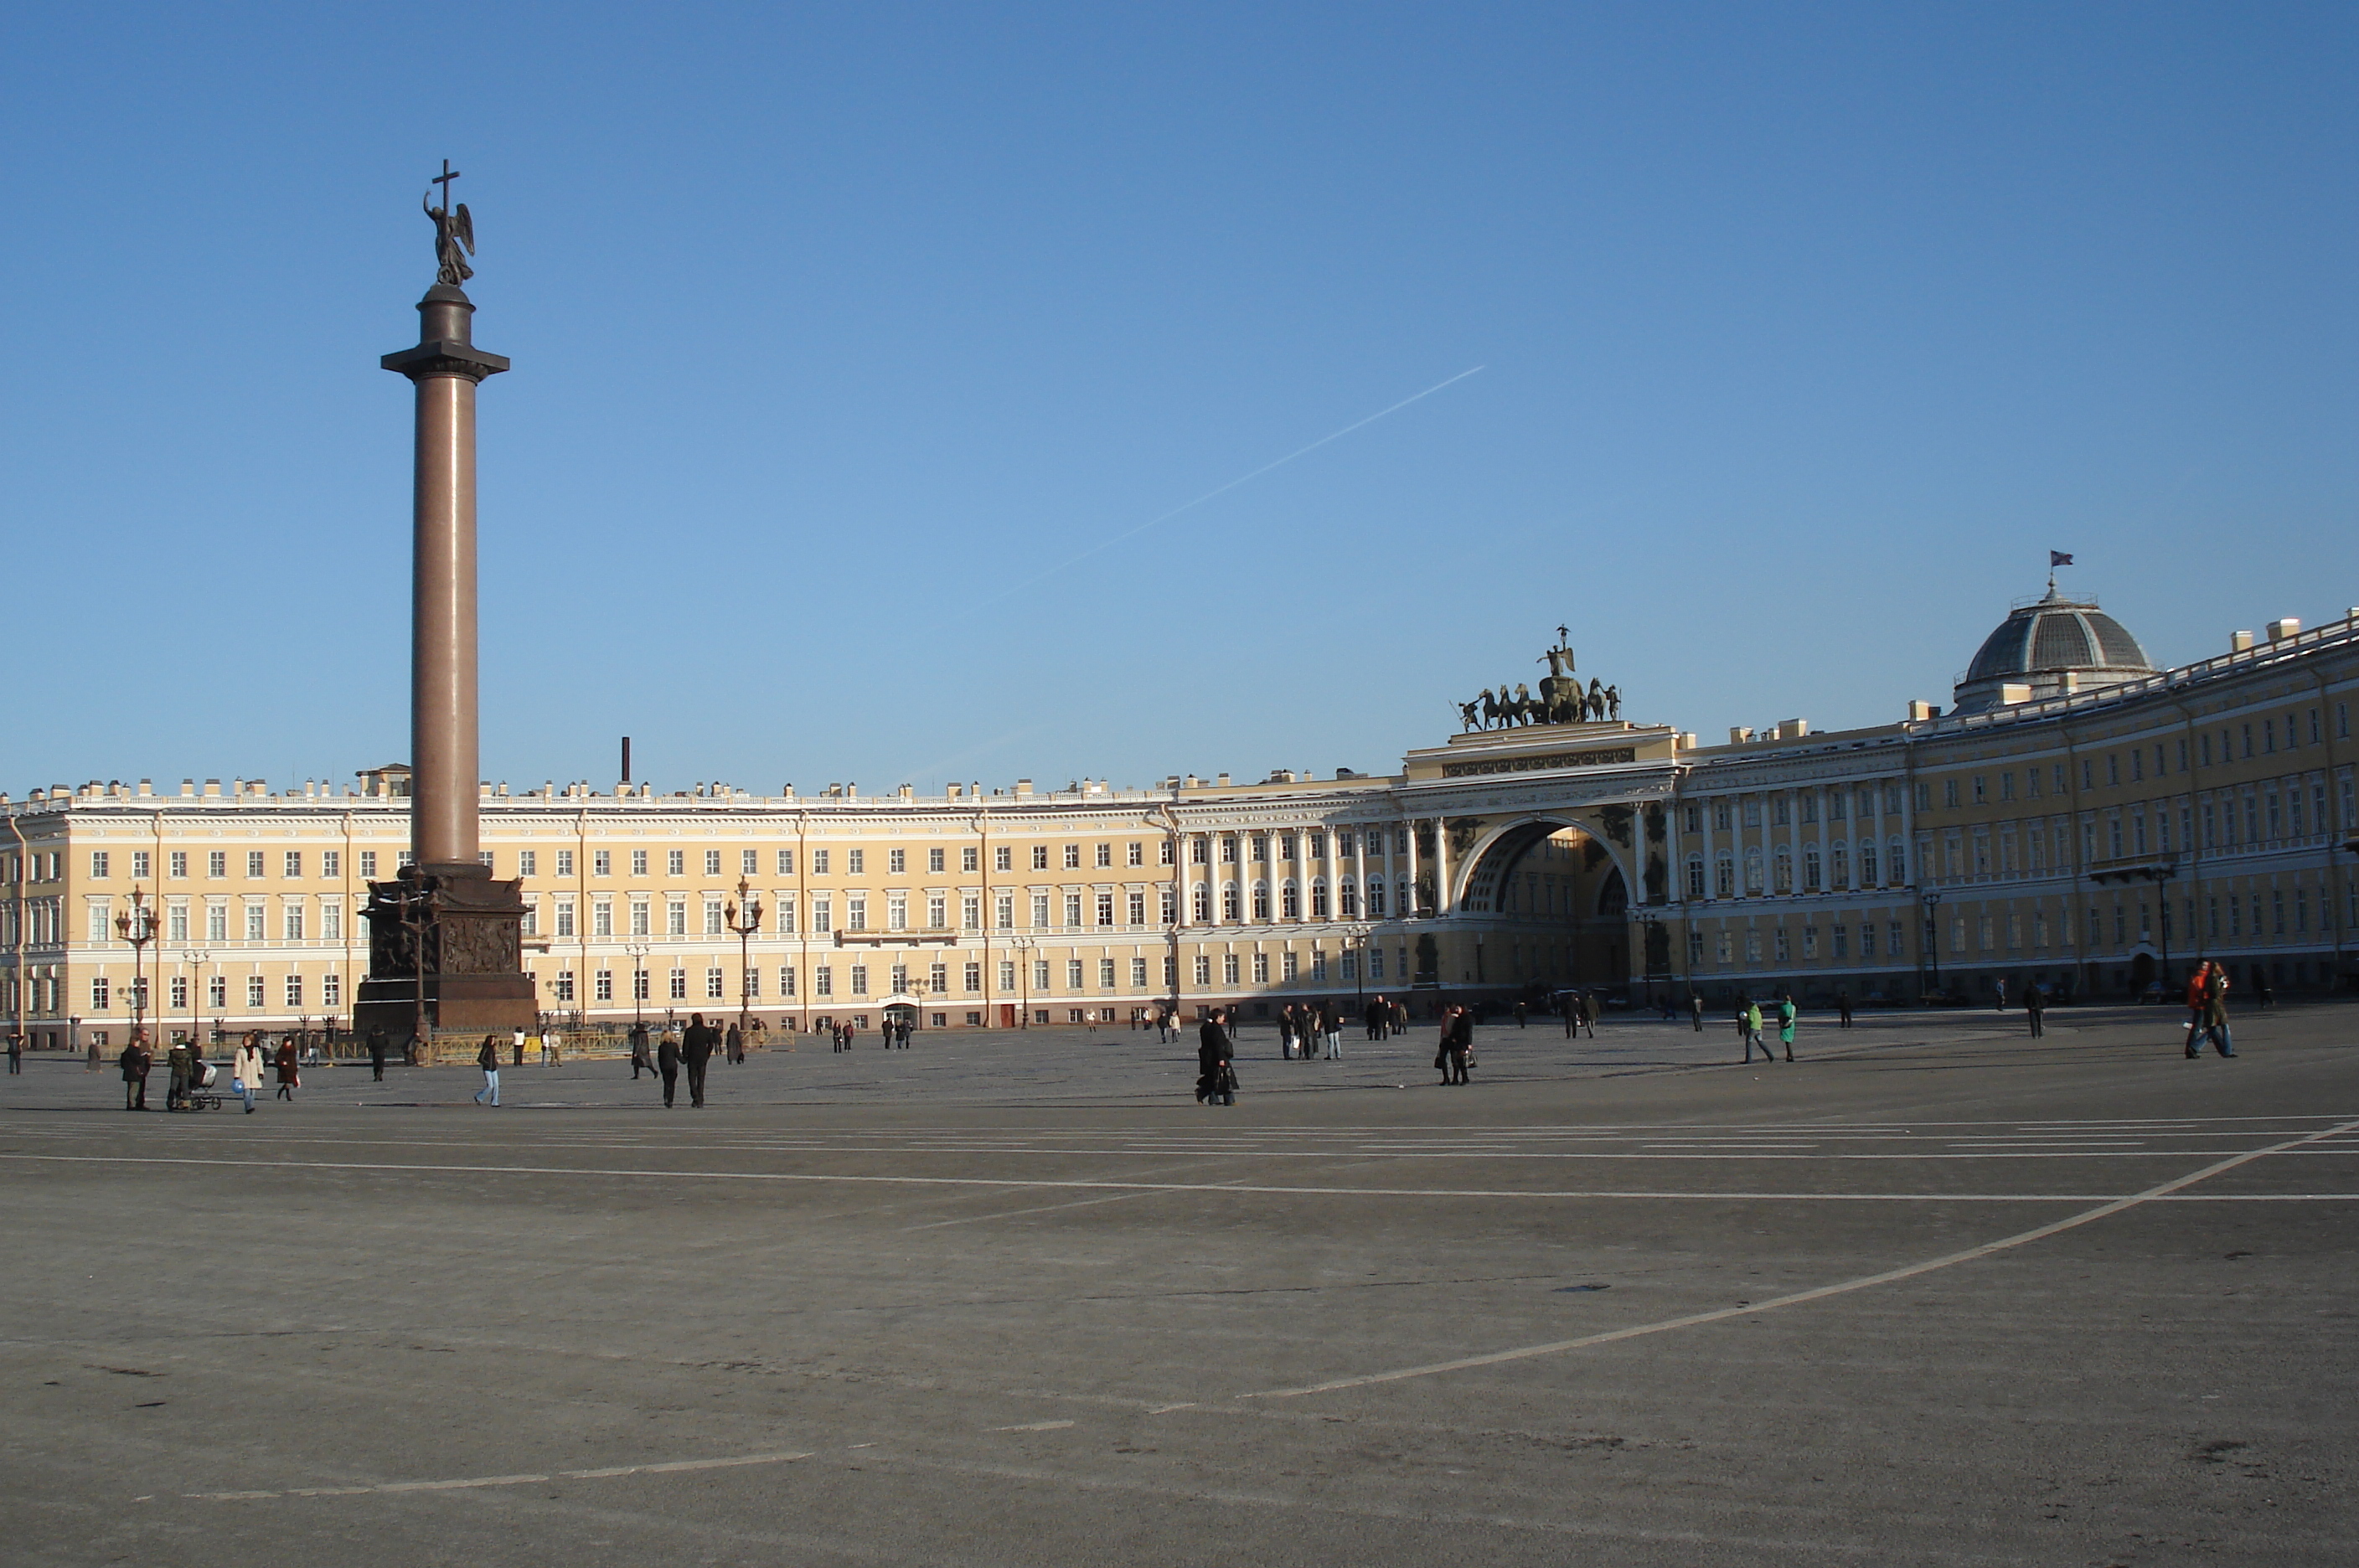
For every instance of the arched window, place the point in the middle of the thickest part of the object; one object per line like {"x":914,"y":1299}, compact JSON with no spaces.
{"x":1203,"y":902}
{"x":1695,"y":876}
{"x":1810,"y":882}
{"x":1754,"y":884}
{"x":1842,"y":865}
{"x":1895,"y":863}
{"x":1261,"y":900}
{"x":1289,"y":901}
{"x":1319,"y":899}
{"x":1348,"y":899}
{"x":1784,"y":883}
{"x":1376,"y":897}
{"x":1867,"y":862}
{"x":1724,"y":877}
{"x":1229,"y":901}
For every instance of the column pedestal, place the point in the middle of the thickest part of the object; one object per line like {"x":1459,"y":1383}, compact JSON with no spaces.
{"x":462,"y":933}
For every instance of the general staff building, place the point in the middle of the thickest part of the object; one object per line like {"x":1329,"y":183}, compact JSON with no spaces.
{"x":2076,"y":819}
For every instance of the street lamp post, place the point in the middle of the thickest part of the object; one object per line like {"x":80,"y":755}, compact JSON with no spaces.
{"x":1024,"y":945}
{"x":1356,"y":941}
{"x":1933,"y":934}
{"x":638,"y":952}
{"x":196,"y":958}
{"x":138,"y":927}
{"x":744,"y":918}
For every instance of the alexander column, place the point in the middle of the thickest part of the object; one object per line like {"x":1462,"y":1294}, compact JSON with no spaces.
{"x":445,"y":938}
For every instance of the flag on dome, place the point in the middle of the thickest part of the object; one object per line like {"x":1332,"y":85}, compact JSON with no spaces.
{"x":2057,"y":558}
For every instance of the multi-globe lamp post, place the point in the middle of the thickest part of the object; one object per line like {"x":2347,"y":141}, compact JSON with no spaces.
{"x":744,"y":918}
{"x":136,"y":926}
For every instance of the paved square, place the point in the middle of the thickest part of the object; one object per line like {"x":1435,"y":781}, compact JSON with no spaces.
{"x":1934,"y":1293}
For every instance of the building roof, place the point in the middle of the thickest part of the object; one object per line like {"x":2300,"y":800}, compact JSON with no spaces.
{"x":2041,"y":642}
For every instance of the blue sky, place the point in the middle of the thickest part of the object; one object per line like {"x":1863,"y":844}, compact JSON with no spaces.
{"x":840,"y":333}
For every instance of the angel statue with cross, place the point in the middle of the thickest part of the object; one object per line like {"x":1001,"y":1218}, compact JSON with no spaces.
{"x":454,"y":232}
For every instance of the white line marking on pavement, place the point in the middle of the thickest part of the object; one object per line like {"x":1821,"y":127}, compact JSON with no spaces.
{"x":471,"y":1482}
{"x":1043,"y":1209}
{"x":1145,"y":1188}
{"x":1819,"y":1293}
{"x":1035,"y":1426}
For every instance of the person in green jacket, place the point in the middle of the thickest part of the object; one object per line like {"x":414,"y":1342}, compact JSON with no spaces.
{"x":1785,"y":1025}
{"x":1753,"y":1033}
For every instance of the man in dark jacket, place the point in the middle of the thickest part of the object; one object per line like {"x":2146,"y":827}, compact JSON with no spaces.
{"x":696,"y":1048}
{"x":136,"y":1059}
{"x":1216,"y":1053}
{"x":667,"y":1064}
{"x":736,"y":1039}
{"x":378,"y":1052}
{"x":639,"y":1062}
{"x":1458,"y":1044}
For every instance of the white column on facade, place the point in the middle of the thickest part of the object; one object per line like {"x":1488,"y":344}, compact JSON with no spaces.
{"x":1359,"y":871}
{"x":1441,"y":900}
{"x":1408,"y":874}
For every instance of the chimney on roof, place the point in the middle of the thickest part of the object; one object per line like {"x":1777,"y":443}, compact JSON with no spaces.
{"x":2280,"y":630}
{"x":2240,"y":642}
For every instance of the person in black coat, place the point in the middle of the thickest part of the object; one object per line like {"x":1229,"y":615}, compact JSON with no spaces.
{"x":1215,"y":1061}
{"x":667,"y":1065}
{"x":696,"y":1048}
{"x":1458,"y":1046}
{"x":377,"y":1051}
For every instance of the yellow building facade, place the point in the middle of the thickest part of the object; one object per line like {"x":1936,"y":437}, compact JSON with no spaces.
{"x":2086,"y":826}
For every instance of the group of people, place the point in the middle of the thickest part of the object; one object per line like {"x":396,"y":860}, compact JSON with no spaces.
{"x":1750,"y":1021}
{"x":2207,"y":1011}
{"x":252,"y":1063}
{"x":1303,"y":1029}
{"x":676,"y":1051}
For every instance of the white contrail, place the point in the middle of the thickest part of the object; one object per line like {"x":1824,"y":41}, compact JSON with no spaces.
{"x":1224,"y":489}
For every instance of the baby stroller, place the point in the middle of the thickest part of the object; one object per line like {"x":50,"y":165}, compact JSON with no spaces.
{"x":202,"y":1094}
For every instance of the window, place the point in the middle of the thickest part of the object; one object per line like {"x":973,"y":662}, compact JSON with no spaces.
{"x":1072,"y":857}
{"x":565,"y":916}
{"x":602,"y":918}
{"x":216,"y":923}
{"x":749,"y":862}
{"x":1229,"y":901}
{"x":641,"y":918}
{"x":1261,"y":968}
{"x":822,"y":981}
{"x":786,"y":868}
{"x":1228,"y":849}
{"x":1261,"y":846}
{"x":99,"y":995}
{"x":602,"y":863}
{"x":675,"y":917}
{"x":1105,"y":855}
{"x":1949,"y":794}
{"x":786,"y":979}
{"x":973,"y":978}
{"x":818,"y":862}
{"x":934,"y":860}
{"x":601,"y":985}
{"x":1106,"y":974}
{"x":1228,"y":968}
{"x":1105,"y":908}
{"x":1005,"y":912}
{"x":254,"y":993}
{"x":294,"y":922}
{"x":1288,"y":965}
{"x":896,"y":862}
{"x":716,"y":982}
{"x":1003,"y":858}
{"x":971,"y":912}
{"x":1138,"y":975}
{"x":1203,"y":969}
{"x":1072,"y":909}
{"x":1261,"y":900}
{"x":565,"y":862}
{"x":178,"y":863}
{"x":254,"y":922}
{"x":712,"y":863}
{"x":1138,"y":909}
{"x":254,"y":863}
{"x":1289,"y":902}
{"x":937,"y":913}
{"x":1039,"y":910}
{"x":1073,"y":975}
{"x":896,"y":911}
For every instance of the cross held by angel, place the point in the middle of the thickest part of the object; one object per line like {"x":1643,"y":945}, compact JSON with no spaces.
{"x":454,"y":232}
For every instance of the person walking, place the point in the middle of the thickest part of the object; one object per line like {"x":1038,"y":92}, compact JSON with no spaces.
{"x":668,"y":1063}
{"x":1750,"y":1021}
{"x":1459,"y":1040}
{"x":735,"y":1043}
{"x":696,"y":1049}
{"x":1695,"y":1010}
{"x":1787,"y":1014}
{"x":2215,"y":1011}
{"x":291,"y":1068}
{"x":412,"y":1049}
{"x":1570,"y":1007}
{"x":1999,"y":987}
{"x":488,"y":1059}
{"x":2196,"y":983}
{"x":1331,"y":1024}
{"x":1589,"y":1014}
{"x":1375,"y":1017}
{"x":1215,"y":1061}
{"x":1842,"y":1008}
{"x":1520,"y":1011}
{"x":245,"y":1069}
{"x":515,"y":1049}
{"x":136,"y":1060}
{"x":639,"y":1062}
{"x":377,"y":1052}
{"x":16,"y":1053}
{"x":552,"y":1048}
{"x":2035,"y":1009}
